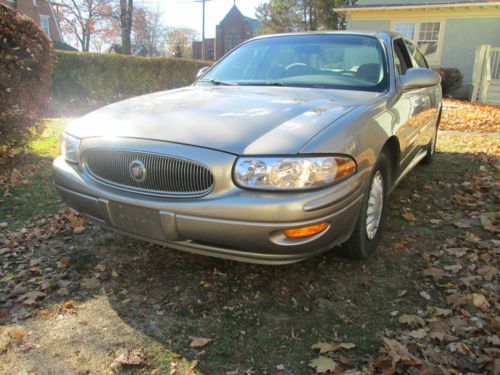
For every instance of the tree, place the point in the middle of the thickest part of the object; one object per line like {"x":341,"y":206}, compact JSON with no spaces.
{"x":180,"y":41}
{"x":281,"y":16}
{"x":81,"y":20}
{"x":126,"y":18}
{"x":148,"y":32}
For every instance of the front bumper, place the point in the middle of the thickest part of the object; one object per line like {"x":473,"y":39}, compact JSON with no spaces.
{"x":236,"y":224}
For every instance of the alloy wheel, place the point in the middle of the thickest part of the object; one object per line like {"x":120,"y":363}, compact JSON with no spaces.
{"x":375,"y":205}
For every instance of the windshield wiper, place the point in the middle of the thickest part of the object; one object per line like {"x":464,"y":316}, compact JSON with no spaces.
{"x":269,"y":83}
{"x":217,"y":82}
{"x":275,"y":83}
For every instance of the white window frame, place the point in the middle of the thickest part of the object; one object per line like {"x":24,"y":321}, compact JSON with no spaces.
{"x":436,"y":59}
{"x":44,"y":17}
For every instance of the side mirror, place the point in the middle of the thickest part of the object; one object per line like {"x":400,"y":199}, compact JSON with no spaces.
{"x":202,"y":72}
{"x":416,"y":78}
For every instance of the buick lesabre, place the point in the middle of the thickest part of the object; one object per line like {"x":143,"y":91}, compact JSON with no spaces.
{"x":287,"y":147}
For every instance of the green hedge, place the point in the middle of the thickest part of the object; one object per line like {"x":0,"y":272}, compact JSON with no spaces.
{"x":83,"y":81}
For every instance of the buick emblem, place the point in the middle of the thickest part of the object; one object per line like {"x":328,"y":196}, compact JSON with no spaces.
{"x":137,"y":171}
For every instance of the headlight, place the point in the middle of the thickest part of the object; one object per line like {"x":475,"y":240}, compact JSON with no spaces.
{"x":70,"y":148}
{"x":291,"y":173}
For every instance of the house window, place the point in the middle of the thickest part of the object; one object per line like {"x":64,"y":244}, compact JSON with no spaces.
{"x":428,"y":39}
{"x":34,"y":3}
{"x":44,"y":23}
{"x":424,"y":34}
{"x":406,"y":29}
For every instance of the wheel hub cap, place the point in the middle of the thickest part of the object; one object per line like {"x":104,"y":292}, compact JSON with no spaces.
{"x":375,"y":205}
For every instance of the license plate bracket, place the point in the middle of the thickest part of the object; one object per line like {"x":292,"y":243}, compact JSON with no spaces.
{"x":137,"y":220}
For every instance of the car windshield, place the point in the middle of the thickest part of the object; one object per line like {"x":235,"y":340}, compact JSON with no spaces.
{"x":351,"y":62}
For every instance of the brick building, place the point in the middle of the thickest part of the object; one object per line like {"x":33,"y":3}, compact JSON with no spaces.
{"x":209,"y":49}
{"x":41,"y":12}
{"x":234,"y":29}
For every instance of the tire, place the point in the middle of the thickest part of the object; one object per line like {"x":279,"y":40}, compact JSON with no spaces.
{"x":365,"y":238}
{"x":431,"y":147}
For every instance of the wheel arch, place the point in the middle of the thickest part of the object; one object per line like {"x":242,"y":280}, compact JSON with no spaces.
{"x":392,"y":149}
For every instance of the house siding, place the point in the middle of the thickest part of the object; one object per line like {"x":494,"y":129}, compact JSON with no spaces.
{"x":369,"y":25}
{"x":461,"y":39}
{"x":361,"y":3}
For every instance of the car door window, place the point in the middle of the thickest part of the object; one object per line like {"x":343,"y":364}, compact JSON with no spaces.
{"x":402,"y":60}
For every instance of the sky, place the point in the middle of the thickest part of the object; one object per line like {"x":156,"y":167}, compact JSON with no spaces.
{"x":188,"y":13}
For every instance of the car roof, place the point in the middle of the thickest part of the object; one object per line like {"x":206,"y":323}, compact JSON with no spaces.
{"x":380,"y":34}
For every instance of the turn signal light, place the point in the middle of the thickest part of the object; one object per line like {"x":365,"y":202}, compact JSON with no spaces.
{"x":306,"y":231}
{"x":345,"y":167}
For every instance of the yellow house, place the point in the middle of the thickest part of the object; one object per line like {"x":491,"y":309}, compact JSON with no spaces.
{"x":448,"y":32}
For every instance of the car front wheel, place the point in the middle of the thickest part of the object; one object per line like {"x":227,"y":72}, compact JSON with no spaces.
{"x":366,"y":235}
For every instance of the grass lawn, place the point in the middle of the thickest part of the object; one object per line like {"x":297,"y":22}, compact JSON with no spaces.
{"x":33,"y":193}
{"x":106,"y":303}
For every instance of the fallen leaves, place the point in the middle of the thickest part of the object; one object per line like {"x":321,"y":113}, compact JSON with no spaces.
{"x":69,"y":304}
{"x":457,"y":300}
{"x":408,"y":216}
{"x":199,"y":342}
{"x":413,"y":321}
{"x":17,"y":334}
{"x":127,"y":358}
{"x":28,"y":277}
{"x":488,"y":272}
{"x":425,"y":295}
{"x":466,"y":116}
{"x":325,"y":347}
{"x":460,"y":333}
{"x":480,"y":302}
{"x":323,"y":364}
{"x":31,"y":298}
{"x":63,"y":262}
{"x":395,"y":356}
{"x":436,"y":273}
{"x":91,"y":283}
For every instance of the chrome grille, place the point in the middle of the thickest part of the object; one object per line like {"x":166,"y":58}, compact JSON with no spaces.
{"x":165,"y":175}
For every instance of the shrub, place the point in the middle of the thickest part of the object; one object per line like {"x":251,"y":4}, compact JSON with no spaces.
{"x":83,"y":81}
{"x":25,"y":70}
{"x":451,"y":80}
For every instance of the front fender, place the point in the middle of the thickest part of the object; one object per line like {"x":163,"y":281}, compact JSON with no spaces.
{"x":361,"y":134}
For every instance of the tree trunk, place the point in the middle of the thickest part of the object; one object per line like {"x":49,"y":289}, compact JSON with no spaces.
{"x":126,"y":13}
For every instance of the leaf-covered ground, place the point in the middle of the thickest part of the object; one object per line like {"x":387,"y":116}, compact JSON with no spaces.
{"x":75,"y":298}
{"x":469,"y":117}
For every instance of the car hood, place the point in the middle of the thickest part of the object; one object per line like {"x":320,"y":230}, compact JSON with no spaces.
{"x":235,"y":119}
